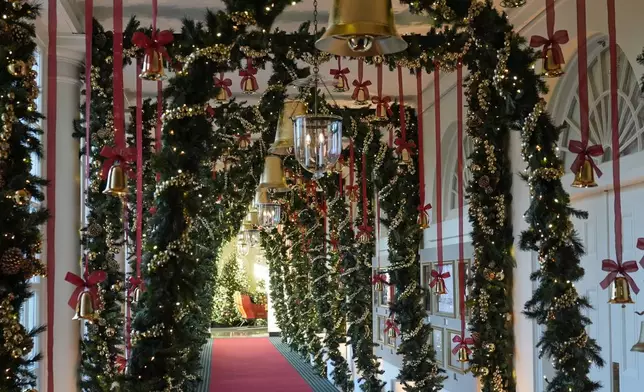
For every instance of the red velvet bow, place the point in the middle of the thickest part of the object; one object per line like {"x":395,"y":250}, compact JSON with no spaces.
{"x":112,"y":154}
{"x":341,"y":74}
{"x":555,"y":41}
{"x":462,"y":343}
{"x":379,"y":278}
{"x":155,"y":43}
{"x":437,"y":276}
{"x":425,"y":208}
{"x":247,"y":74}
{"x":402,"y":145}
{"x":640,"y":245}
{"x":224,"y":83}
{"x":382,"y":106}
{"x":121,"y":363}
{"x":585,"y":153}
{"x":391,"y":324}
{"x":361,"y":86}
{"x":136,"y":282}
{"x":88,"y":284}
{"x":364,"y":232}
{"x":614,"y":269}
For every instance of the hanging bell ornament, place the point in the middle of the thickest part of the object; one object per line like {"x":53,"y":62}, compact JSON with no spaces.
{"x":585,"y":176}
{"x":153,"y":68}
{"x":639,"y":346}
{"x":362,"y":96}
{"x":463,"y":356}
{"x":440,"y":288}
{"x":116,"y":182}
{"x":380,"y":287}
{"x":423,"y":220}
{"x":85,"y":307}
{"x":221,"y":96}
{"x":550,"y":68}
{"x":405,"y":158}
{"x":248,"y":87}
{"x":136,"y":294}
{"x":391,"y":332}
{"x":621,"y":292}
{"x":273,"y":178}
{"x":340,"y":85}
{"x":17,"y":68}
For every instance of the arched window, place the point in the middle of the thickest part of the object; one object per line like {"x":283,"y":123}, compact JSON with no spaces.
{"x":630,"y":105}
{"x":450,"y":170}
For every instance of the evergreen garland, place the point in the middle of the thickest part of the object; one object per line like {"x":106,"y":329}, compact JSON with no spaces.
{"x":20,"y":220}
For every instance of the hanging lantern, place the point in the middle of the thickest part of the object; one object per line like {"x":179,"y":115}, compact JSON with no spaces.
{"x":551,"y":68}
{"x":284,"y":143}
{"x":585,"y":176}
{"x":621,"y":292}
{"x":639,"y":346}
{"x":270,"y":215}
{"x":85,"y":307}
{"x":361,"y":28}
{"x":251,"y":232}
{"x":116,"y":181}
{"x":273,"y":179}
{"x":318,"y":142}
{"x":463,"y":356}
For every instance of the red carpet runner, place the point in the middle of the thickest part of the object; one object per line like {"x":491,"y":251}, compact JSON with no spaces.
{"x":252,"y":365}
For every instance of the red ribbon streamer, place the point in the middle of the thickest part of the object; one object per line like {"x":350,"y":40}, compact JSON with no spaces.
{"x":401,"y":97}
{"x":359,"y":84}
{"x":139,"y":169}
{"x":439,"y":171}
{"x":585,"y":153}
{"x":249,"y":74}
{"x":615,"y":268}
{"x":88,"y":284}
{"x":582,"y":70}
{"x":351,"y":187}
{"x":461,"y":196}
{"x":555,"y":38}
{"x":421,"y":157}
{"x":365,"y":229}
{"x":119,"y":115}
{"x":465,"y":343}
{"x":383,"y":103}
{"x":224,"y":83}
{"x":640,"y":245}
{"x":155,"y":43}
{"x":341,"y":74}
{"x":52,"y":73}
{"x":112,"y":154}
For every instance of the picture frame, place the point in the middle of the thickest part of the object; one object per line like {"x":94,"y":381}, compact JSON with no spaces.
{"x":437,"y":341}
{"x":446,"y":305}
{"x":452,"y":359}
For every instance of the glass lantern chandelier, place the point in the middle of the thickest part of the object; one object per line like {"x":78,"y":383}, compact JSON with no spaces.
{"x":269,"y":212}
{"x":251,"y":229}
{"x":242,"y":246}
{"x":317,"y":137}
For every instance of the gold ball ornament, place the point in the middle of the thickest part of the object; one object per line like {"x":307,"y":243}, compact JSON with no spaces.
{"x":500,"y":275}
{"x":489,"y":347}
{"x":17,"y":5}
{"x":16,"y":352}
{"x":17,"y":68}
{"x":22,"y":197}
{"x":12,"y":261}
{"x":484,"y":371}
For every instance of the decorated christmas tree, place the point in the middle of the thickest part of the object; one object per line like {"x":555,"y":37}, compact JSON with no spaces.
{"x":231,"y":279}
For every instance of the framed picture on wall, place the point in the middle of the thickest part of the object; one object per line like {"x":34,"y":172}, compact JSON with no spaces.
{"x":426,"y":277}
{"x":452,"y":359}
{"x":446,"y":303}
{"x":437,"y":341}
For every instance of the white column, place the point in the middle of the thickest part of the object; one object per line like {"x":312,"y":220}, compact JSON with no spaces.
{"x":70,"y":51}
{"x":524,"y":351}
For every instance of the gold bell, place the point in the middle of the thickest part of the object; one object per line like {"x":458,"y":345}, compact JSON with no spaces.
{"x":136,"y":294}
{"x":273,"y":179}
{"x":153,"y":68}
{"x":249,"y":86}
{"x":284,"y":137}
{"x":621,"y":292}
{"x":84,"y":307}
{"x":261,"y":197}
{"x":380,"y":287}
{"x":585,"y":176}
{"x":391,"y":333}
{"x":423,"y":220}
{"x":340,"y":86}
{"x":463,"y":357}
{"x":550,"y":68}
{"x":361,"y":28}
{"x":252,"y":218}
{"x":361,"y":98}
{"x":221,"y":95}
{"x":440,"y":288}
{"x":116,"y":182}
{"x":639,"y":346}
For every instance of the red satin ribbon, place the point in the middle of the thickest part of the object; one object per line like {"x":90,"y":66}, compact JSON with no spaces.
{"x":139,"y":169}
{"x":112,"y":154}
{"x":640,"y":245}
{"x":585,"y":153}
{"x":555,"y":38}
{"x":156,"y":42}
{"x":341,"y":73}
{"x":461,"y":196}
{"x":88,"y":284}
{"x":391,"y":324}
{"x":379,"y":278}
{"x":323,"y":209}
{"x":365,"y":229}
{"x":405,"y":145}
{"x":136,"y":282}
{"x":224,"y":83}
{"x":439,"y":170}
{"x":119,"y":107}
{"x":424,"y":209}
{"x":460,"y":342}
{"x":401,"y":97}
{"x":616,"y":268}
{"x":249,"y":74}
{"x":52,"y":73}
{"x":582,"y":70}
{"x":121,"y":363}
{"x":438,"y":276}
{"x":383,"y":103}
{"x":421,"y":156}
{"x":351,"y":188}
{"x":359,"y":84}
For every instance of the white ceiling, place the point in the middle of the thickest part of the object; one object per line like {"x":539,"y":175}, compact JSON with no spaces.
{"x":170,"y":14}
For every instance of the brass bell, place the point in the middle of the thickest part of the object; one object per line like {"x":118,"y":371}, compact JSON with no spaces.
{"x":621,"y":292}
{"x":84,"y":307}
{"x":249,"y":86}
{"x":284,"y":137}
{"x":361,"y":28}
{"x":423,"y":220}
{"x":340,"y":86}
{"x":585,"y":176}
{"x":252,"y":218}
{"x":404,"y":158}
{"x":361,"y":98}
{"x":116,"y":182}
{"x":380,"y":287}
{"x":222,"y":95}
{"x":273,"y":179}
{"x":261,"y":197}
{"x":639,"y":346}
{"x":136,"y":294}
{"x":153,"y":68}
{"x":550,"y":68}
{"x":391,"y":333}
{"x":463,"y":357}
{"x":440,"y":288}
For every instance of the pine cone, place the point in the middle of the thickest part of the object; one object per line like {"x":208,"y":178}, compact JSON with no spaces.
{"x":94,"y":229}
{"x":12,"y":261}
{"x":484,"y":182}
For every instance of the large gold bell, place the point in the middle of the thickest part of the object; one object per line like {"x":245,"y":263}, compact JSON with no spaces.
{"x":621,"y":292}
{"x":153,"y":66}
{"x":585,"y":176}
{"x":116,"y":182}
{"x":222,"y":95}
{"x":361,"y":97}
{"x":440,"y":288}
{"x":261,"y":197}
{"x":361,"y":28}
{"x":550,"y":68}
{"x":273,"y":179}
{"x":462,"y":355}
{"x":252,"y":218}
{"x":639,"y":346}
{"x":84,"y":307}
{"x":284,"y":138}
